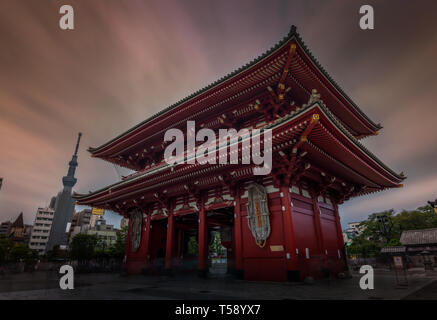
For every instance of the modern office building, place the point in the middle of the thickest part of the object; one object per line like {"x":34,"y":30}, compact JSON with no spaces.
{"x":354,"y":229}
{"x":80,"y":223}
{"x":16,"y":231}
{"x":106,"y":233}
{"x":5,"y":227}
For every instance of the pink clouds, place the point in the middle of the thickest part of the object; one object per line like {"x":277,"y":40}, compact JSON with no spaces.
{"x":126,"y":60}
{"x":411,"y":196}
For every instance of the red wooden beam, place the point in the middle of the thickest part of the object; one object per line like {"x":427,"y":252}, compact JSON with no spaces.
{"x":287,"y":222}
{"x":303,"y":138}
{"x":146,"y":235}
{"x":281,"y":85}
{"x":170,"y":242}
{"x":202,"y":243}
{"x":318,"y":224}
{"x":238,"y":238}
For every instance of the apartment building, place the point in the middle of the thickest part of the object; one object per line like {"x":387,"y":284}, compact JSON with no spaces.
{"x":41,"y":229}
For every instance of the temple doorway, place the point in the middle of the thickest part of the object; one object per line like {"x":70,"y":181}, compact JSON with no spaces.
{"x":185,"y":245}
{"x":218,"y":255}
{"x":218,"y":240}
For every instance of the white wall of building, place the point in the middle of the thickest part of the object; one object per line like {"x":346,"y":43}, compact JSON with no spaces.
{"x":41,"y":229}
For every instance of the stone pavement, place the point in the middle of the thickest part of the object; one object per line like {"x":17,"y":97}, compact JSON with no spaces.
{"x":45,"y":285}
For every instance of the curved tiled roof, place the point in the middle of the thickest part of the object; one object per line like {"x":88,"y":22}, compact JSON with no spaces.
{"x":333,"y":82}
{"x":394,"y":249}
{"x":292,"y":34}
{"x":359,"y":144}
{"x":424,"y":236}
{"x":271,"y":125}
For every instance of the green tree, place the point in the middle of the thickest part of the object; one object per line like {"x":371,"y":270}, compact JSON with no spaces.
{"x":394,"y":243}
{"x":5,"y":249}
{"x":102,"y":254}
{"x":192,"y":246}
{"x":363,"y":247}
{"x":380,"y":227}
{"x":216,"y":247}
{"x":421,"y":218}
{"x":54,"y":254}
{"x":385,"y":229}
{"x":117,"y":249}
{"x":82,"y":247}
{"x":22,"y":253}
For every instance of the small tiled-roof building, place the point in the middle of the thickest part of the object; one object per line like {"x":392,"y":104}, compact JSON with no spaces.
{"x":17,"y":231}
{"x":419,"y":241}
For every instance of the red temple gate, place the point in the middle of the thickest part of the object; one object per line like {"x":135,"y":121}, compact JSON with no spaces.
{"x":284,"y":225}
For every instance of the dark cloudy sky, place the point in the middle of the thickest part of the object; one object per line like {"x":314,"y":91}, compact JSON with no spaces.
{"x":128,"y":59}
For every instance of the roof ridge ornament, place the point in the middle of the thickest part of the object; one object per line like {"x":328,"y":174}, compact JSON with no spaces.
{"x":258,"y":213}
{"x":314,"y":97}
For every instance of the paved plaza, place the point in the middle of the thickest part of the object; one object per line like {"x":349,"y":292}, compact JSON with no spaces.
{"x":45,"y":285}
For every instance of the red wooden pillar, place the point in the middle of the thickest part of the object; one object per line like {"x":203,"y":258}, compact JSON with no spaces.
{"x":318,"y":224}
{"x":147,"y":232}
{"x":127,"y":242}
{"x":202,"y":238}
{"x":287,"y":221}
{"x":238,"y":254}
{"x":170,"y":242}
{"x":340,"y":239}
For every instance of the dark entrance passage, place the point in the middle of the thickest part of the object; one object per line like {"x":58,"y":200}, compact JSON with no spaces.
{"x":185,"y":259}
{"x":185,"y":243}
{"x":220,"y":253}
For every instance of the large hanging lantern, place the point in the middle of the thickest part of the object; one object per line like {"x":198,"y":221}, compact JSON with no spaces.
{"x":137,"y":219}
{"x":258,"y":214}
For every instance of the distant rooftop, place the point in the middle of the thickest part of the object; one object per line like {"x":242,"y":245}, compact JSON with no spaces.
{"x":416,"y":237}
{"x":394,"y":249}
